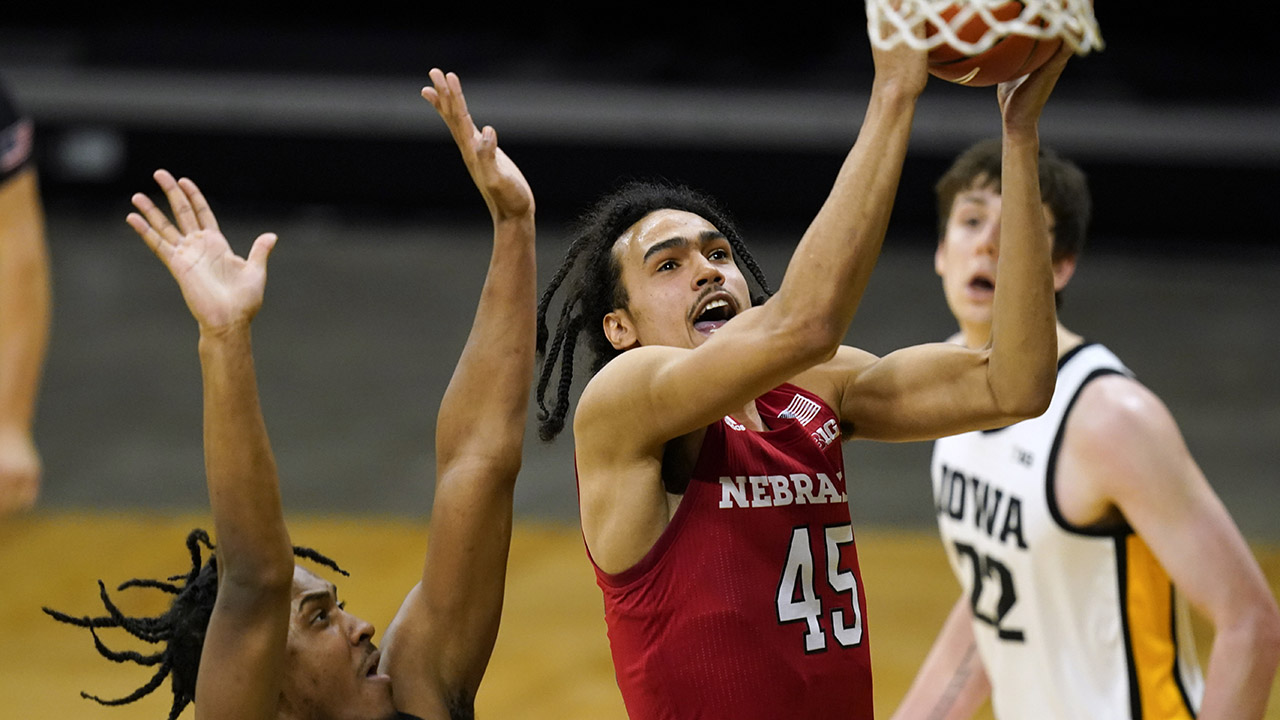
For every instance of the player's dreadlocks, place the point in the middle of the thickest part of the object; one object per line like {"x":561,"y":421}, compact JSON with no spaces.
{"x":181,"y":629}
{"x":595,"y":289}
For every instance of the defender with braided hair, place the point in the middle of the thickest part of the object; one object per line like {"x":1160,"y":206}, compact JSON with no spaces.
{"x":710,"y":476}
{"x":252,"y":636}
{"x":180,"y":629}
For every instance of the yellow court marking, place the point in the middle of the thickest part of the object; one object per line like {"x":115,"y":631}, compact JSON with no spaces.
{"x":552,"y":657}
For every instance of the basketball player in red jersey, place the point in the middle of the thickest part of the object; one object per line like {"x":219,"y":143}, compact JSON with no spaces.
{"x":709,"y":466}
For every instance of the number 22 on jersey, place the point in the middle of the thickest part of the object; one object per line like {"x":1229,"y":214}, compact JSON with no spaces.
{"x":990,"y":576}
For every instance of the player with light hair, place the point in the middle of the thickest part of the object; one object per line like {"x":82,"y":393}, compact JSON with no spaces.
{"x":1080,"y":538}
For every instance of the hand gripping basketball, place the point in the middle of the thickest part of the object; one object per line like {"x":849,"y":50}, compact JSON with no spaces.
{"x":985,"y":42}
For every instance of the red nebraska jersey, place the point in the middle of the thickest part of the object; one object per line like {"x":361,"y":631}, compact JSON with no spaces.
{"x":750,"y":605}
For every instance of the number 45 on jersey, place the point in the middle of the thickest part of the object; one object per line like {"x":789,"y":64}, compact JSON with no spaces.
{"x":798,"y":599}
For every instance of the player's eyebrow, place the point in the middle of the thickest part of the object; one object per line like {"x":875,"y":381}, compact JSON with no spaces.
{"x":973,"y":197}
{"x":667,"y":244}
{"x":704,"y":237}
{"x":315,"y":595}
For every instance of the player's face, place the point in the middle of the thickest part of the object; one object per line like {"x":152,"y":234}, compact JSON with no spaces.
{"x":966,"y":257}
{"x":332,"y":666}
{"x":681,"y":282}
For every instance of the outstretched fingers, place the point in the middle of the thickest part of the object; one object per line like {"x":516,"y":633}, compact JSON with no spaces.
{"x":504,"y":189}
{"x":183,"y":214}
{"x":145,"y":231}
{"x":454,"y":86}
{"x":445,"y":95}
{"x":191,"y":212}
{"x":152,"y":226}
{"x":203,"y":213}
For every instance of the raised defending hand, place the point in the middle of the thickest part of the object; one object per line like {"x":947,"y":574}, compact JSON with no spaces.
{"x":1022,"y":99}
{"x":221,"y":288}
{"x":504,"y":188}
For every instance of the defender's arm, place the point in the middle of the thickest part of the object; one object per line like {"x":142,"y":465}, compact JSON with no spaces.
{"x":439,"y":644}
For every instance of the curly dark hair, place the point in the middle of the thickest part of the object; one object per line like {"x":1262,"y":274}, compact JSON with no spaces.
{"x":591,"y":278}
{"x":180,"y":629}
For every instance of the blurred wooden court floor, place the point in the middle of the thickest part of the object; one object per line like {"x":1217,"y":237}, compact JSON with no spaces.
{"x":551,"y":660}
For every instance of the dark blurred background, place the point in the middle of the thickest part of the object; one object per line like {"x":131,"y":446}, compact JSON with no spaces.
{"x":1177,"y":120}
{"x":312,"y":126}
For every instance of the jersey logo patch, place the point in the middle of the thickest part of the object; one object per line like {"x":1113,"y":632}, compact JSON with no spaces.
{"x":734,"y":424}
{"x":826,"y":434}
{"x":802,"y":409}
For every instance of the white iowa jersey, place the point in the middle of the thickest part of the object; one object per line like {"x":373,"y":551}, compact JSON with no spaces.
{"x":1070,"y":623}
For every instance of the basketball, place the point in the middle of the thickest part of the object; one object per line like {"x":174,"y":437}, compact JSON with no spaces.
{"x":1011,"y":57}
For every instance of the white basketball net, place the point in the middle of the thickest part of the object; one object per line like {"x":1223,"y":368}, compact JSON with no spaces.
{"x":1071,"y":20}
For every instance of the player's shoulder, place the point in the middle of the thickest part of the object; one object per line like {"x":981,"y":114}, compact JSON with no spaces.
{"x":620,"y":375}
{"x":847,"y":359}
{"x":1115,"y":409}
{"x":1120,"y":445}
{"x":617,"y":384}
{"x":829,"y":379}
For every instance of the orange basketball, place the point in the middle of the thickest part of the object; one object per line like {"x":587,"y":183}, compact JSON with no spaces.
{"x":1011,"y":57}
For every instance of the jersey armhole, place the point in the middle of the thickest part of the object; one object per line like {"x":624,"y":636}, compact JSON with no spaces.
{"x":658,"y":552}
{"x":1051,"y":470}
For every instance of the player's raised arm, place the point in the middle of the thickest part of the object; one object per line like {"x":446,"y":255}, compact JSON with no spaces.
{"x":437,"y":648}
{"x":1024,"y":350}
{"x":241,"y":665}
{"x":667,"y":390}
{"x":929,"y":391}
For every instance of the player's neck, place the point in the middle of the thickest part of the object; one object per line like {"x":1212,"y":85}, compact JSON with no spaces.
{"x":973,"y":336}
{"x":1067,"y":340}
{"x":749,"y":417}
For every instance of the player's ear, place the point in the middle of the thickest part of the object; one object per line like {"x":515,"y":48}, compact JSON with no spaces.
{"x":620,"y":330}
{"x":1063,"y":268}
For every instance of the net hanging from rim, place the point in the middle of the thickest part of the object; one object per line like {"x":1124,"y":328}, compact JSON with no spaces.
{"x":1071,"y":20}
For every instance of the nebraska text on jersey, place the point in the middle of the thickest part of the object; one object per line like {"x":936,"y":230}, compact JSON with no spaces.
{"x":778,"y":490}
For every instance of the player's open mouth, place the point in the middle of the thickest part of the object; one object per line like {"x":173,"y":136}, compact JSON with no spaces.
{"x":982,"y":284}
{"x":717,"y":309}
{"x":369,"y":670}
